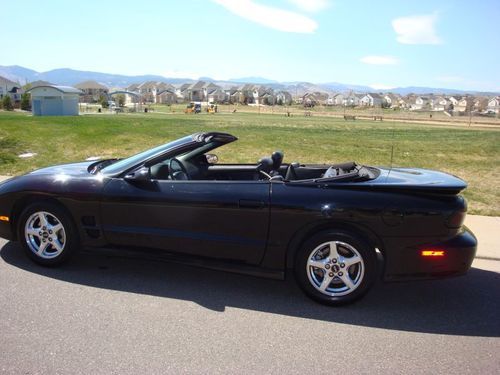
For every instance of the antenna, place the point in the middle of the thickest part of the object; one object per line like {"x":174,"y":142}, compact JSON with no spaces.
{"x":392,"y":154}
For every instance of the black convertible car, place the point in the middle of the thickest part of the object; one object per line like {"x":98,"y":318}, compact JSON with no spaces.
{"x":336,"y":226}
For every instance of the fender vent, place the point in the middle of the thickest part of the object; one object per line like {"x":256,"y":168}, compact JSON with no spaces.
{"x":88,"y":221}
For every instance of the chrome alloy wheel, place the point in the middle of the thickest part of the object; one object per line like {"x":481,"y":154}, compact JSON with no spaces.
{"x":335,"y":268}
{"x":45,"y":235}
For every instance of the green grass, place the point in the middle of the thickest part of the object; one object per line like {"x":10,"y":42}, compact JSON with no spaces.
{"x":471,"y":153}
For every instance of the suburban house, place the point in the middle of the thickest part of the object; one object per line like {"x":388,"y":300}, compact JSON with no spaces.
{"x":314,"y":98}
{"x":54,"y":100}
{"x":10,"y":88}
{"x":338,"y":99}
{"x":167,"y":96}
{"x":419,"y":103}
{"x":92,"y":91}
{"x":454,"y":100}
{"x":216,"y":95}
{"x":465,"y":104}
{"x":353,"y":100}
{"x":439,"y":103}
{"x":494,"y":104}
{"x":481,"y":103}
{"x":371,"y":100}
{"x":283,"y":98}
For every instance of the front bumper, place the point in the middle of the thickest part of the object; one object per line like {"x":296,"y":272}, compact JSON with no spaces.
{"x":404,"y":261}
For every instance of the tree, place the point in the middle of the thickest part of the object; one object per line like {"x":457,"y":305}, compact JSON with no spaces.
{"x":103,"y":101}
{"x":121,"y":100}
{"x":7,"y":103}
{"x":26,"y":102}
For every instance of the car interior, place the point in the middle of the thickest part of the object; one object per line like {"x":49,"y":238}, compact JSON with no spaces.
{"x":197,"y":165}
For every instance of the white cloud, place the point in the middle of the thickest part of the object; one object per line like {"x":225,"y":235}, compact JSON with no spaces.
{"x":416,"y":29}
{"x":379,"y":60}
{"x":275,"y":18}
{"x":311,"y":5}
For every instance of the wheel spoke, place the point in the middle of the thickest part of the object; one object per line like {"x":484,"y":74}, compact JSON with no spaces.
{"x":351,"y":261}
{"x":326,"y":281}
{"x":333,"y":250}
{"x":56,"y":228}
{"x":346,"y":279}
{"x":57,"y":245}
{"x":33,"y":232}
{"x":317,"y":263}
{"x":42,"y":248}
{"x":43,"y":219}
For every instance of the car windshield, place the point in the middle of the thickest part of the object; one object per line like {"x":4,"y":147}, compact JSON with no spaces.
{"x":125,"y":164}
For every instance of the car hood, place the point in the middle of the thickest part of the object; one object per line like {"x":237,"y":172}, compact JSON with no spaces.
{"x":75,"y":169}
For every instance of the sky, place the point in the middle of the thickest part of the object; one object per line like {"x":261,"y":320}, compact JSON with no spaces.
{"x":382,"y":44}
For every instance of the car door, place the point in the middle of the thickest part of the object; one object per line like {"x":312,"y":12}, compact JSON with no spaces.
{"x":215,"y":219}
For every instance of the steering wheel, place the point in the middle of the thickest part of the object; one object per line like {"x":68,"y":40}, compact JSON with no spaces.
{"x":177,"y":170}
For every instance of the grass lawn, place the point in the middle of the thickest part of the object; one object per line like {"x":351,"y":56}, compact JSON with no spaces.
{"x":471,"y":153}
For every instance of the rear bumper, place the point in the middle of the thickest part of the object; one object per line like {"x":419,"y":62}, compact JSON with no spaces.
{"x":407,"y":262}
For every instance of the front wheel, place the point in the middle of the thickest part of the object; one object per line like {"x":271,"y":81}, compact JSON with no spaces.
{"x":335,"y":268}
{"x":47,"y":234}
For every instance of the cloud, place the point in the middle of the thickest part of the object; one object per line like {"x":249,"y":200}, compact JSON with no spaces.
{"x":416,"y":29}
{"x":311,"y":5}
{"x":275,"y":18}
{"x":379,"y":60}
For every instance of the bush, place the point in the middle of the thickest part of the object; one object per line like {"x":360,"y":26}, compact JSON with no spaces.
{"x":26,"y":102}
{"x":7,"y":103}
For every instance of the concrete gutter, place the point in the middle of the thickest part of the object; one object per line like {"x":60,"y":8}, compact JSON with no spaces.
{"x":486,"y":229}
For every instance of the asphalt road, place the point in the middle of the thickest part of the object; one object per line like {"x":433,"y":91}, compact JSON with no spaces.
{"x":109,"y":314}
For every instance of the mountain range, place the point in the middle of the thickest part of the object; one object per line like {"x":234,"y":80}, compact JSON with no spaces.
{"x":66,"y":76}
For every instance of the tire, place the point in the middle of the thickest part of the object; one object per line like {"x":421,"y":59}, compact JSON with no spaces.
{"x":47,"y":234}
{"x":337,"y":280}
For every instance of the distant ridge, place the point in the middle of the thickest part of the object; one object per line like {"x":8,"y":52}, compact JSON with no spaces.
{"x":66,"y":76}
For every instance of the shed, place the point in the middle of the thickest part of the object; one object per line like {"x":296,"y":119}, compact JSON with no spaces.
{"x":51,"y":100}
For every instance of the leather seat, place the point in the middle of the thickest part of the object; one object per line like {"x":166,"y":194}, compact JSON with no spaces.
{"x":291,"y":174}
{"x":160,"y":172}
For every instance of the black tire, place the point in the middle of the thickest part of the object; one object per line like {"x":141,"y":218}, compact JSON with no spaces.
{"x":53,"y":243}
{"x":357,"y":278}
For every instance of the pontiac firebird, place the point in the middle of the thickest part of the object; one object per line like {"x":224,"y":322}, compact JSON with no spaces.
{"x":335,"y":227}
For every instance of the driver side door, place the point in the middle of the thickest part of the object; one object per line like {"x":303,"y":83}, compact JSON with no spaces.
{"x":215,"y":219}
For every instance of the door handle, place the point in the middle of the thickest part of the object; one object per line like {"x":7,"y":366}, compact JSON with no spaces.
{"x":250,"y":203}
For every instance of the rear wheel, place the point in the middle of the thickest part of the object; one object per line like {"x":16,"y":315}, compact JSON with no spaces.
{"x":335,"y":268}
{"x":47,"y":234}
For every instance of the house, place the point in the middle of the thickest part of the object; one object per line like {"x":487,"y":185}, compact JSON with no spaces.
{"x":92,"y":91}
{"x":217,"y":95}
{"x":420,"y":103}
{"x":371,"y":100}
{"x":338,"y":99}
{"x":283,"y":98}
{"x":149,"y":90}
{"x":54,"y":100}
{"x":167,"y":96}
{"x":439,"y":103}
{"x":453,"y":101}
{"x":352,"y":100}
{"x":392,"y":100}
{"x":10,"y":88}
{"x":494,"y":104}
{"x":314,"y":98}
{"x":465,"y":104}
{"x":481,"y":104}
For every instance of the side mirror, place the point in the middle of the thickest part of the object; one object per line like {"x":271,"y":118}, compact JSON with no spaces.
{"x":212,"y":158}
{"x":142,"y":174}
